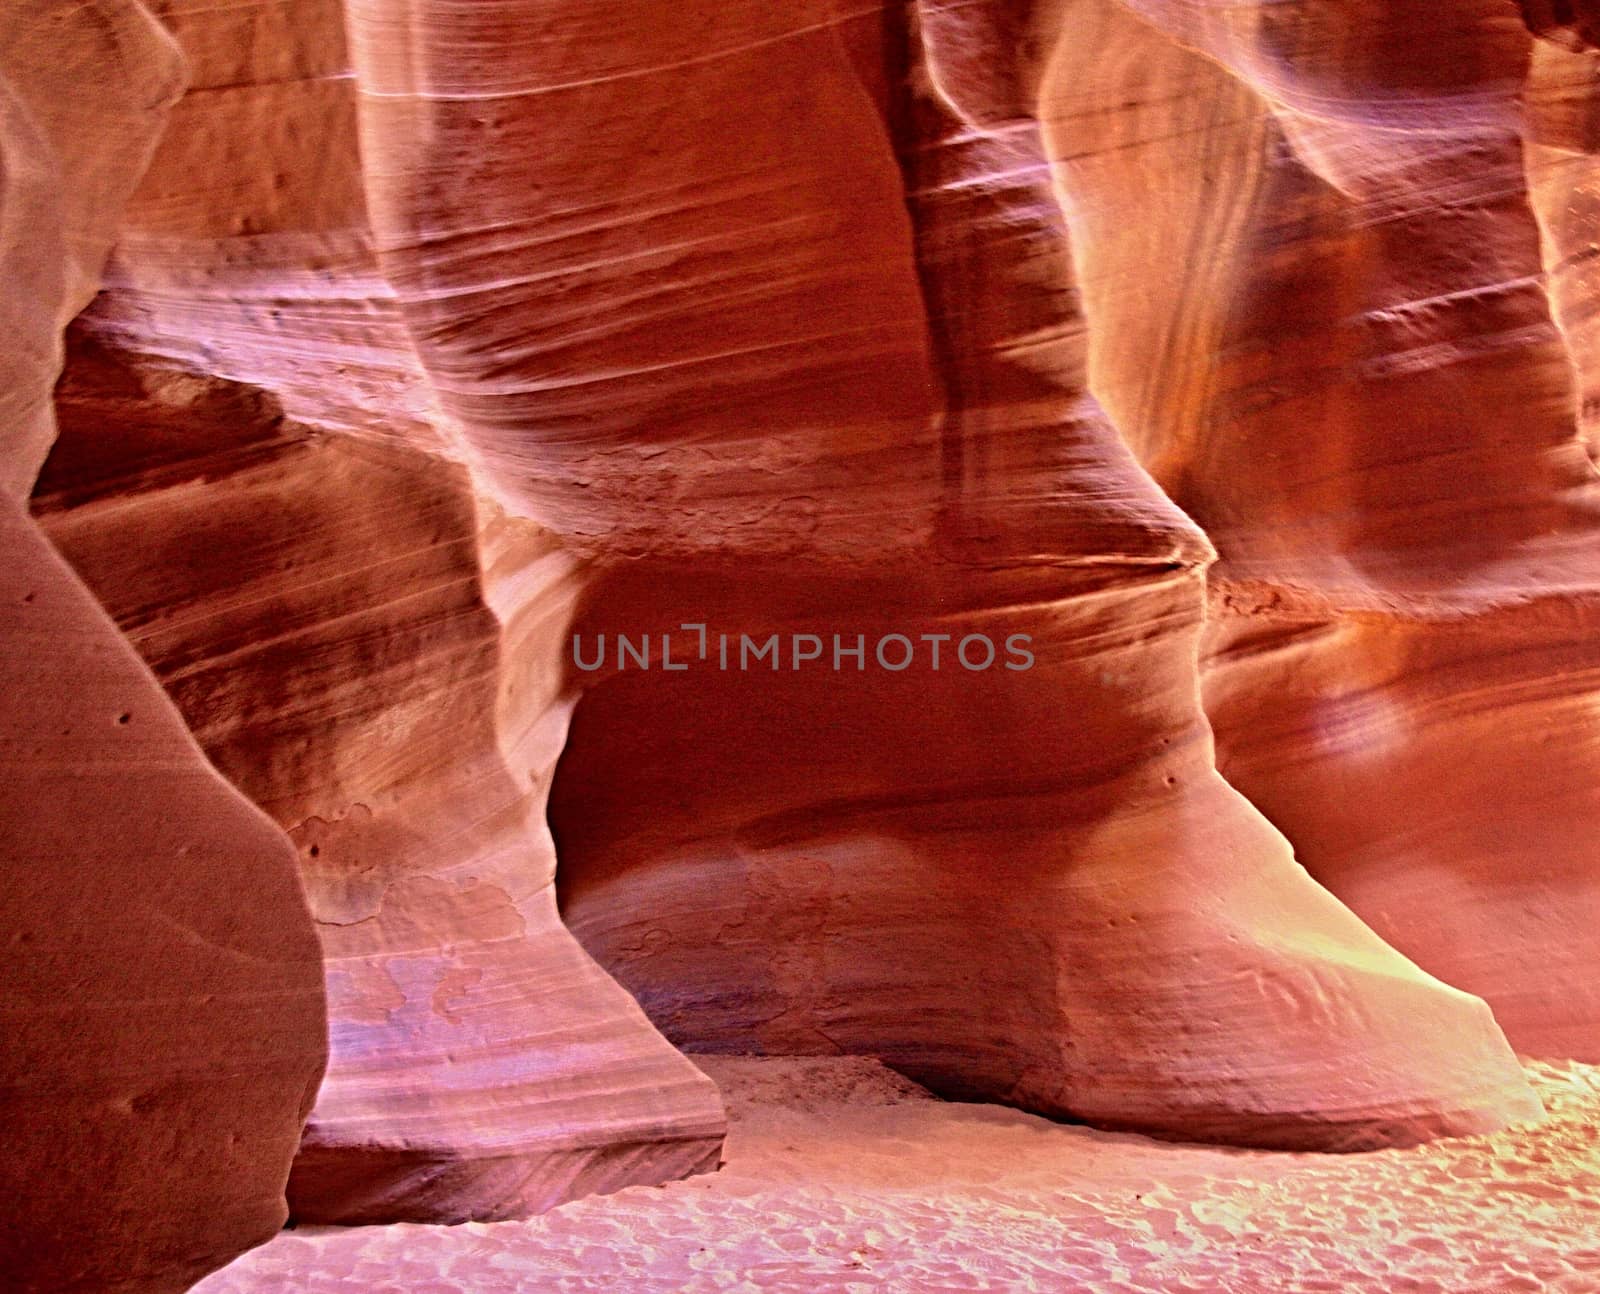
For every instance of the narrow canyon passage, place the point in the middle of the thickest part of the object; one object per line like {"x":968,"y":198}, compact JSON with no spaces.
{"x":1224,"y":371}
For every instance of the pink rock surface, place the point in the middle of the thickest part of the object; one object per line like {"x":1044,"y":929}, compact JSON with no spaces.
{"x":1368,"y":400}
{"x":844,"y":344}
{"x":163,"y":1010}
{"x":321,"y":619}
{"x":70,"y":162}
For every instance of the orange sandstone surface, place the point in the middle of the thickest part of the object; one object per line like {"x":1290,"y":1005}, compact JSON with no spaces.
{"x":1230,"y":371}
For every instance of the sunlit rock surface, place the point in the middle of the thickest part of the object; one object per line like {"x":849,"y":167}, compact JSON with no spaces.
{"x":1374,"y":387}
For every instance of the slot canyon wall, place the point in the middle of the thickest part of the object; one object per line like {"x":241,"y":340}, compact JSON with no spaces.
{"x":1242,"y":360}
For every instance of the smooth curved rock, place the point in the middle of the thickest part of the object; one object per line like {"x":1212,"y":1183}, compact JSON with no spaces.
{"x":997,"y":883}
{"x":70,"y":162}
{"x":163,"y":1015}
{"x":1367,"y":401}
{"x":321,"y":619}
{"x":1088,"y":922}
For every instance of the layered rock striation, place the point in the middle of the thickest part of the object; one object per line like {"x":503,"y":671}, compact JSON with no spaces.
{"x":322,"y":620}
{"x":1379,"y":418}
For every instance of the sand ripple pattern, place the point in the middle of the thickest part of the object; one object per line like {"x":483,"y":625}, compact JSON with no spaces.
{"x":840,"y":1176}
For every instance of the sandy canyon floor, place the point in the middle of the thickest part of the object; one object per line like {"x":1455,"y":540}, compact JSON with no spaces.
{"x":841,"y":1176}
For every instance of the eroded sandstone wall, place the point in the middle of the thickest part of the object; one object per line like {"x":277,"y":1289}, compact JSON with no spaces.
{"x":1371,"y":395}
{"x":1233,"y":357}
{"x":320,"y":616}
{"x":163,"y":1007}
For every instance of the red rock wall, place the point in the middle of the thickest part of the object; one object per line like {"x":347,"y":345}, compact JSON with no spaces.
{"x":1376,"y":419}
{"x":1000,"y":882}
{"x":320,"y":616}
{"x":163,"y":1011}
{"x":1233,"y":356}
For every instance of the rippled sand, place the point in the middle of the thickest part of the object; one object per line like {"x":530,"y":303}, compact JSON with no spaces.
{"x":840,"y":1176}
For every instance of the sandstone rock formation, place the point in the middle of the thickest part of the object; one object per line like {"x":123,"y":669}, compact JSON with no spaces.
{"x":361,"y":647}
{"x":1030,"y":886}
{"x":163,"y":1015}
{"x":1375,"y":424}
{"x":163,"y":1012}
{"x":333,"y":644}
{"x":1228,"y":360}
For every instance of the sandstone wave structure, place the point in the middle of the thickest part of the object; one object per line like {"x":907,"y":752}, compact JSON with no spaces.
{"x":1386,"y":442}
{"x":1227,"y":369}
{"x":338,"y":651}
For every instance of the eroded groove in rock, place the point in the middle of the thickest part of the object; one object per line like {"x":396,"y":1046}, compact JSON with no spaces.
{"x":246,"y":252}
{"x":999,"y":883}
{"x":680,"y":330}
{"x":70,"y":162}
{"x":1088,"y":922}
